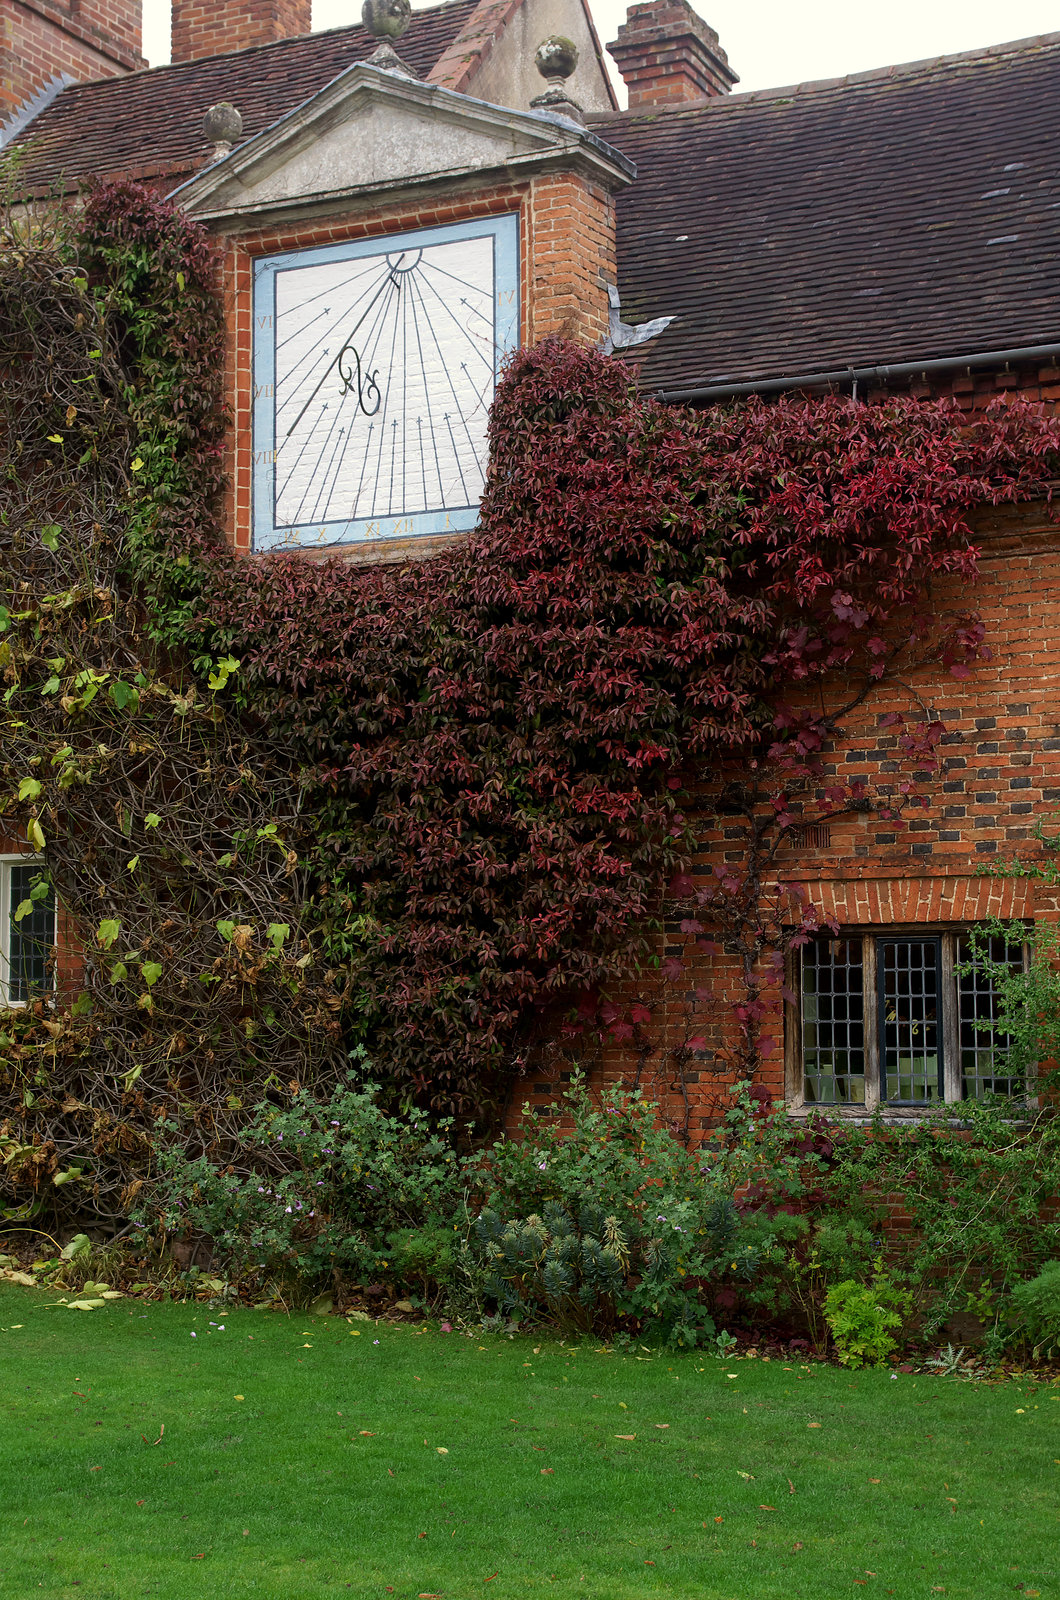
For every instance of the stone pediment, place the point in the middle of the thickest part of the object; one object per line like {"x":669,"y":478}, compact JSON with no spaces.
{"x":373,"y":130}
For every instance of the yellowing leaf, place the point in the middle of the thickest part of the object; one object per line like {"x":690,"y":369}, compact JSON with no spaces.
{"x":35,"y":834}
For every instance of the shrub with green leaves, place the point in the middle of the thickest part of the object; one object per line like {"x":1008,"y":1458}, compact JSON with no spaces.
{"x":609,"y":1219}
{"x":862,"y":1317}
{"x":318,"y":1187}
{"x":1035,"y":1310}
{"x":978,"y":1184}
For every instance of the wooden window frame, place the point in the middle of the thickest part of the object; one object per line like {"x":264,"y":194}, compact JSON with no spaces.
{"x":948,"y":937}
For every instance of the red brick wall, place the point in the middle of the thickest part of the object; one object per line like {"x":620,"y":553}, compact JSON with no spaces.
{"x":214,"y":27}
{"x":999,"y":772}
{"x":41,"y":40}
{"x":566,"y":232}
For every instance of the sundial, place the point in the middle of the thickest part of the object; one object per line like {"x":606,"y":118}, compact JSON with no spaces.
{"x":375,"y":363}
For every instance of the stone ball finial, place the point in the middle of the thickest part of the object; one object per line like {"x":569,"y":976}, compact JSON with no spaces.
{"x":556,"y":58}
{"x":386,"y":19}
{"x":222,"y":124}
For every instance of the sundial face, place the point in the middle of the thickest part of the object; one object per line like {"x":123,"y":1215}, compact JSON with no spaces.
{"x":375,"y":365}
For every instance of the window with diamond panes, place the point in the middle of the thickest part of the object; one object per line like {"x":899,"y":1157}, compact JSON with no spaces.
{"x":892,"y":1020}
{"x":833,"y":1022}
{"x":984,"y":1051}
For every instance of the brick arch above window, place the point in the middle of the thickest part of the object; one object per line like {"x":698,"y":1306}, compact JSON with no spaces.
{"x":909,"y":901}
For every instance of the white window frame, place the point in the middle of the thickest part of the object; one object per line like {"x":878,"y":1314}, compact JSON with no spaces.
{"x":7,"y":911}
{"x":948,"y":936}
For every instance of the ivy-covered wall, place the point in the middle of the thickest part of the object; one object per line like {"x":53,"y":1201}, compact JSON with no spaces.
{"x":438,"y":810}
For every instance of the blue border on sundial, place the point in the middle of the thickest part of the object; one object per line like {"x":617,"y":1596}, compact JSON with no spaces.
{"x":371,"y":531}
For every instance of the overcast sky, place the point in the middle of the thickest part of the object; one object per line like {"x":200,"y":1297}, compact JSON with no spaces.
{"x":773,"y":42}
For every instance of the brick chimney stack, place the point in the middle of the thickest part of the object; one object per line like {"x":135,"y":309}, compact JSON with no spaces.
{"x":213,"y":27}
{"x":43,"y":41}
{"x":668,"y":55}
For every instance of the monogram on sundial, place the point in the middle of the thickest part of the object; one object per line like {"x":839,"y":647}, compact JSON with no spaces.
{"x":375,"y":363}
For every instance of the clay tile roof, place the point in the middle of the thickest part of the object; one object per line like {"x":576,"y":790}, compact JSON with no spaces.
{"x":149,"y":124}
{"x":884,"y":218}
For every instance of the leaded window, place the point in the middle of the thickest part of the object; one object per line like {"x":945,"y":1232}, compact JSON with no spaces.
{"x":897,"y":1019}
{"x":27,"y":932}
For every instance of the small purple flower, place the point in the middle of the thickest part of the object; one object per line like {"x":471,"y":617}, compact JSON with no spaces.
{"x":193,"y":1335}
{"x":374,"y":1341}
{"x":287,"y":1211}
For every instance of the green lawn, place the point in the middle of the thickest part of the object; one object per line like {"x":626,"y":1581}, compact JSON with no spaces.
{"x":299,"y":1459}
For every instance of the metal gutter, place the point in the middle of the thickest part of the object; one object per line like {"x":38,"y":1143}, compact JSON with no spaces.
{"x":856,"y":375}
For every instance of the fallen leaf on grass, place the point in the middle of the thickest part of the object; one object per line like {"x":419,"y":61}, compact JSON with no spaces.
{"x":492,"y":1576}
{"x":546,"y":1470}
{"x":625,"y":1435}
{"x":748,"y":1477}
{"x":875,"y":1480}
{"x":791,"y":1487}
{"x":719,"y":1519}
{"x":161,"y":1431}
{"x":813,"y":1424}
{"x":239,"y":1397}
{"x":767,"y":1508}
{"x":442,"y":1451}
{"x":662,"y":1424}
{"x":141,"y":1502}
{"x":797,"y":1545}
{"x":95,"y":1469}
{"x":366,"y":1433}
{"x":246,"y":1533}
